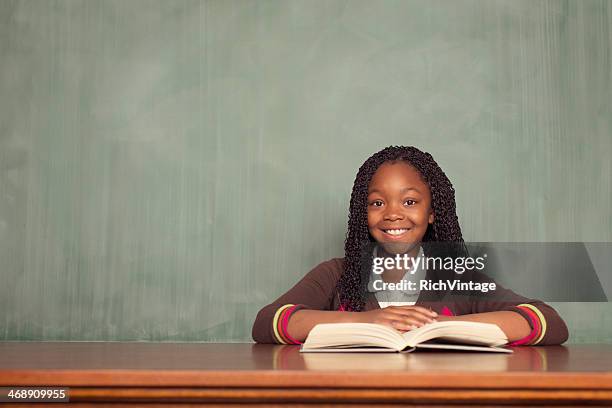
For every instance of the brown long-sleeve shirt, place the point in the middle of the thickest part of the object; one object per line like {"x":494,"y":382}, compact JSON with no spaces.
{"x":317,"y":291}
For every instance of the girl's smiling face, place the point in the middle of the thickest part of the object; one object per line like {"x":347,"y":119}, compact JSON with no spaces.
{"x":399,"y":207}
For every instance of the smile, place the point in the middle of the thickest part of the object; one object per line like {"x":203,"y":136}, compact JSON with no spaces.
{"x":396,"y":231}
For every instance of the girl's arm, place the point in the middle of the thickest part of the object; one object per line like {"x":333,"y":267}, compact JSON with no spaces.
{"x":289,"y":319}
{"x":303,"y":321}
{"x":314,"y":291}
{"x":505,"y":308}
{"x":401,"y":318}
{"x":512,"y":324}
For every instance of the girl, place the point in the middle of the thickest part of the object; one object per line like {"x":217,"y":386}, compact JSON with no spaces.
{"x":402,"y":203}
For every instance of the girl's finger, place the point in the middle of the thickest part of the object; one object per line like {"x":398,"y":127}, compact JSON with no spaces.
{"x":401,"y":325}
{"x":420,"y":309}
{"x":413,"y":314}
{"x":407,"y":323}
{"x":415,"y":322}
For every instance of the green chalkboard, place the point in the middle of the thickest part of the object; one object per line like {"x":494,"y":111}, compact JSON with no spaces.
{"x":169,"y":167}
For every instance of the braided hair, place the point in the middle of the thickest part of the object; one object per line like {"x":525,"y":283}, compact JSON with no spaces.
{"x":351,"y":286}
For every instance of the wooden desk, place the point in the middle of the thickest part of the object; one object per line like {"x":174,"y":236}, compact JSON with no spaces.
{"x":239,"y":373}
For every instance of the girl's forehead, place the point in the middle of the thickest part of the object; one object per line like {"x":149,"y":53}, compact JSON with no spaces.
{"x":398,"y":175}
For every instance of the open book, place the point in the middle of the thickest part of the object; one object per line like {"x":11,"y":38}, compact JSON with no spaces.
{"x":369,"y":337}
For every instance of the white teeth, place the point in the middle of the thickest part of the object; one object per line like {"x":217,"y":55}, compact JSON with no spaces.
{"x":395,"y":231}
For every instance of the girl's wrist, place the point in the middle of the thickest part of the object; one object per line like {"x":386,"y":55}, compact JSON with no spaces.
{"x":355,"y":317}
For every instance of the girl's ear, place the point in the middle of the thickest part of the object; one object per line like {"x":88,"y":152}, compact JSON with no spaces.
{"x":431,"y":217}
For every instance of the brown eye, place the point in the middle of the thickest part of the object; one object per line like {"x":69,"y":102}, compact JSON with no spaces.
{"x":410,"y":202}
{"x":376,"y":203}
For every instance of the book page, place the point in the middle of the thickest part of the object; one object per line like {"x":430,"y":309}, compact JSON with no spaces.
{"x":458,"y":332}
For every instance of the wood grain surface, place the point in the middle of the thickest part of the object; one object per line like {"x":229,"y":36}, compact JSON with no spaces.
{"x":267,"y":374}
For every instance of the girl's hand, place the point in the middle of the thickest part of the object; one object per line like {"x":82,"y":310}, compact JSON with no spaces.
{"x":401,"y":318}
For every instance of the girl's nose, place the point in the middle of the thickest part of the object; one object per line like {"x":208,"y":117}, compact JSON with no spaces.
{"x":393,"y":214}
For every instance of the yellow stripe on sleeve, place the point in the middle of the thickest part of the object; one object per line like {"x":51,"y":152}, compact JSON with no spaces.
{"x":542,"y":321}
{"x":279,"y":338}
